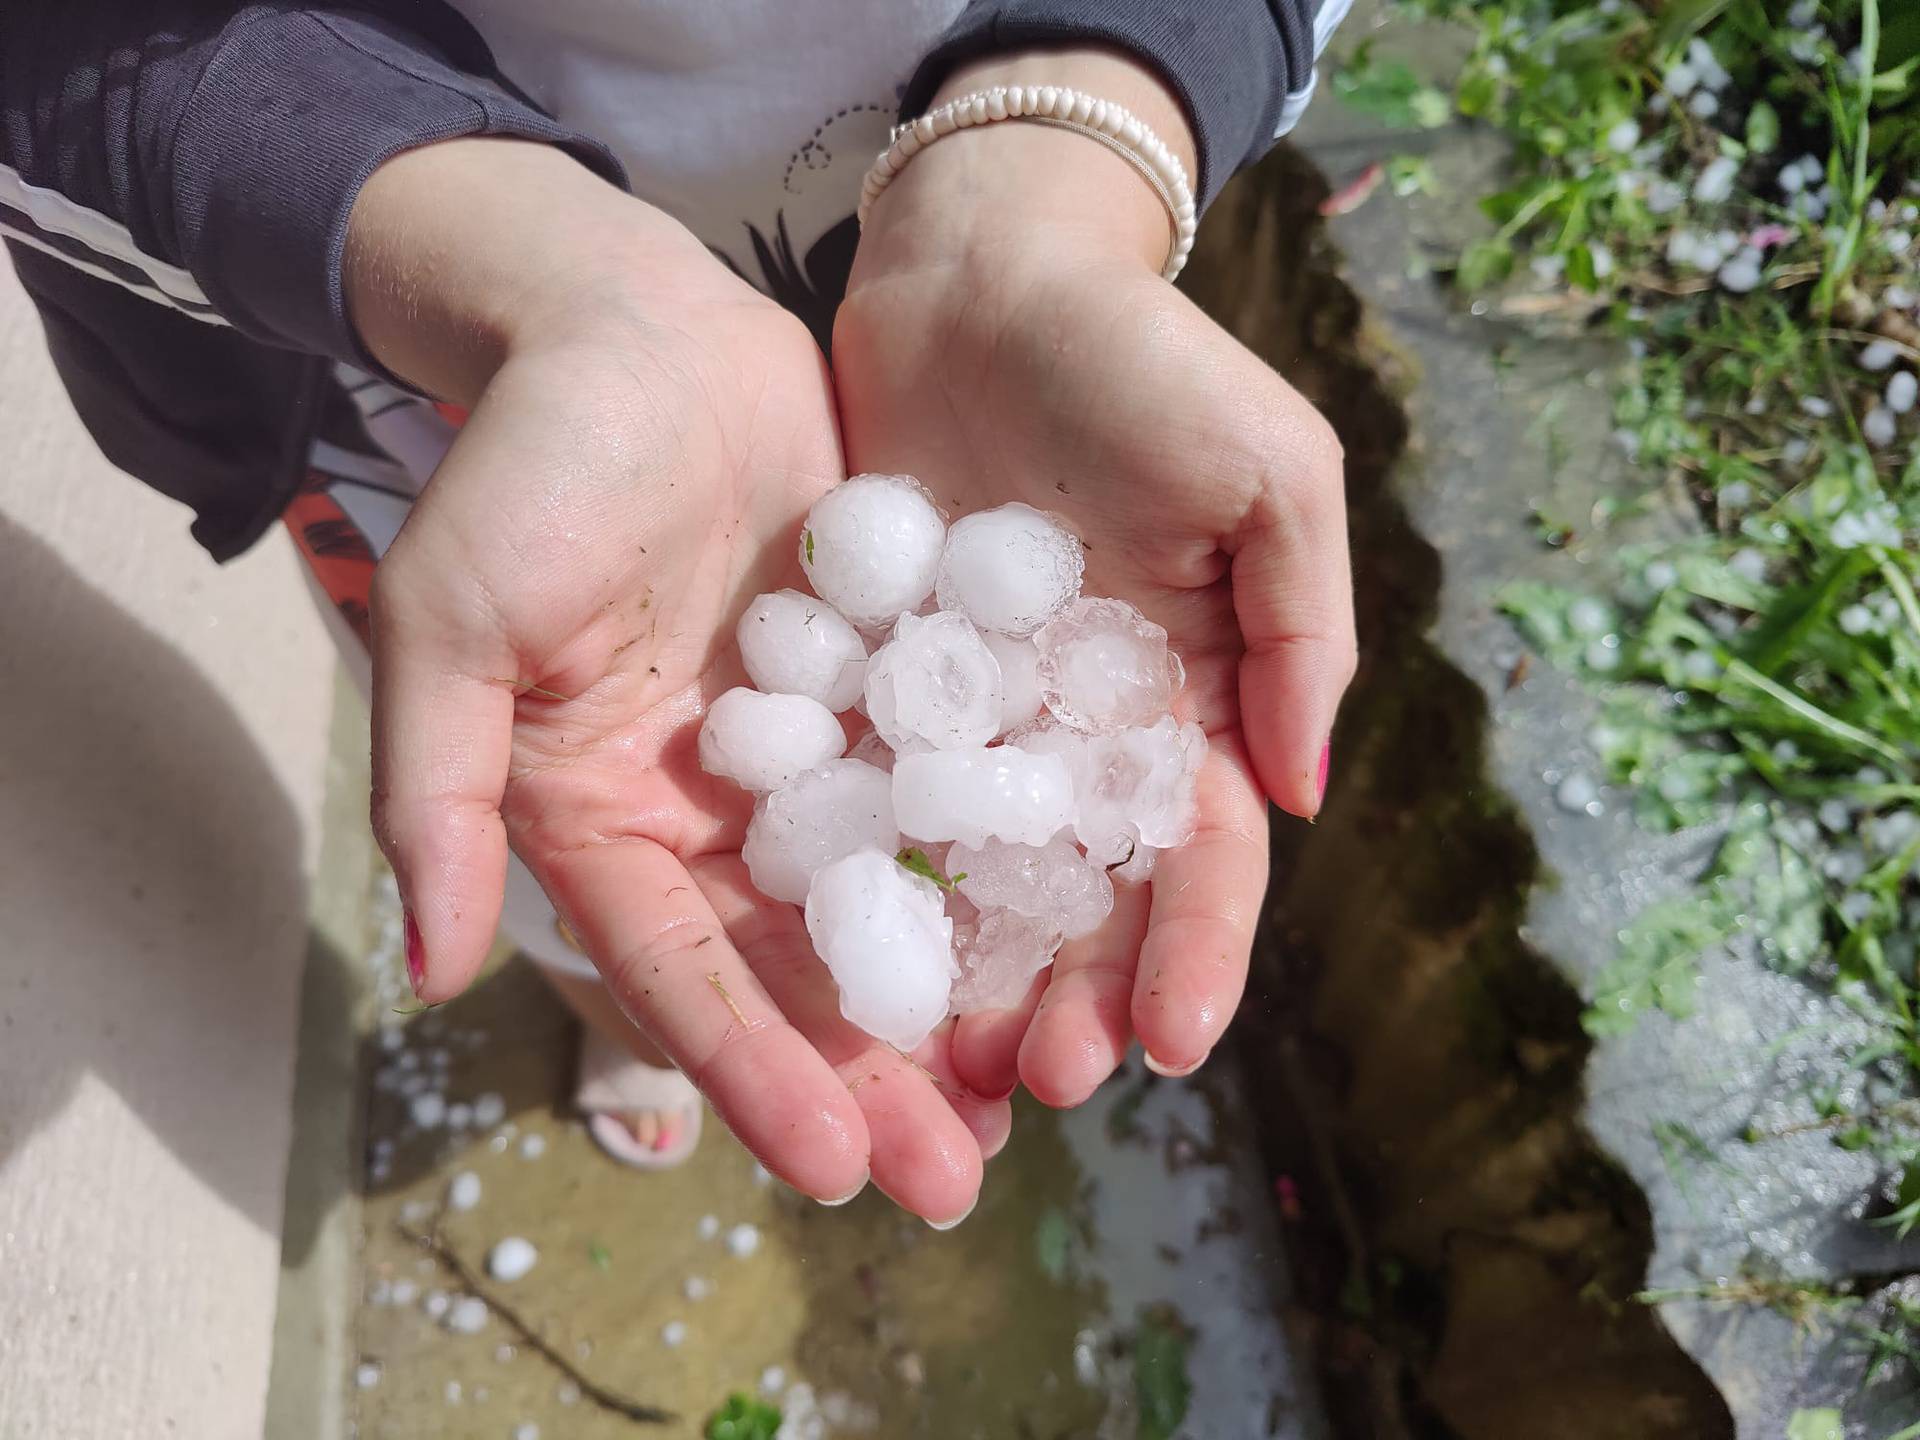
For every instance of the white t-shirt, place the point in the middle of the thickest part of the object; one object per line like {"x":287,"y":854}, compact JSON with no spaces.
{"x":750,"y":121}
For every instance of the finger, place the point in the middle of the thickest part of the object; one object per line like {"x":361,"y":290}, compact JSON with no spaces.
{"x":924,"y":1153}
{"x":986,"y":1045}
{"x":442,"y":738}
{"x":1082,"y":1028}
{"x":1293,"y":596}
{"x":990,"y":1120}
{"x":671,"y":967}
{"x":1206,"y":903}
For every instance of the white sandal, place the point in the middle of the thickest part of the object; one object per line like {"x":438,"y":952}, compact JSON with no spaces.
{"x":613,"y":1084}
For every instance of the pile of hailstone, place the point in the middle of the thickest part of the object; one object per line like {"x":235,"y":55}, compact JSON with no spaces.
{"x":1022,"y":756}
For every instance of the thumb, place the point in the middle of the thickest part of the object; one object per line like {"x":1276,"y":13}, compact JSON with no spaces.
{"x":1293,"y":596}
{"x":442,"y":737}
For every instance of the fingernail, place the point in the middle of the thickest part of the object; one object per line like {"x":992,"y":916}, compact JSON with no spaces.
{"x":416,"y":952}
{"x":1320,"y":787}
{"x":846,"y":1198}
{"x":1171,"y":1072}
{"x":949,"y":1224}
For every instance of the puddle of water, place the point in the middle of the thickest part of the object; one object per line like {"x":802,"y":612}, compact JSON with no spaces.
{"x":1185,"y":1223}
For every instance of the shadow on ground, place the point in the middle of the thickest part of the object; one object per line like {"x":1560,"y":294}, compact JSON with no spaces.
{"x":121,"y":761}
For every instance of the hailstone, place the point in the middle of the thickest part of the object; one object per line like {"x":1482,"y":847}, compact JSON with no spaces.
{"x":1137,"y":868}
{"x":1003,"y":793}
{"x":1011,"y":569}
{"x":794,"y":644}
{"x":1131,"y":788}
{"x":1104,"y":666}
{"x":761,"y":742}
{"x":825,"y":815}
{"x":935,"y":683}
{"x":871,"y":547}
{"x":1019,"y":678}
{"x":999,"y":955}
{"x":1022,"y":742}
{"x":886,"y":939}
{"x":1053,"y":882}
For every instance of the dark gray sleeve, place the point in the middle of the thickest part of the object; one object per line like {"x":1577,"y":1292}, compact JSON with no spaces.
{"x":204,"y":154}
{"x":1244,"y":69}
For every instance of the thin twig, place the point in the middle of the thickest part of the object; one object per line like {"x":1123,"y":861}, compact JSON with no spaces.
{"x":600,"y":1395}
{"x":932,"y":1079}
{"x":1903,"y":1109}
{"x":1872,"y":337}
{"x":713,"y":979}
{"x":529,"y":687}
{"x":1646,"y":280}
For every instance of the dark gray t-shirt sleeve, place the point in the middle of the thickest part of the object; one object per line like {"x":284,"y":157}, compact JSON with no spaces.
{"x":1244,"y":69}
{"x":206,"y":155}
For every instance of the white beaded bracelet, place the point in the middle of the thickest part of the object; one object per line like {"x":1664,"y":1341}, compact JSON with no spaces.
{"x":1113,"y":125}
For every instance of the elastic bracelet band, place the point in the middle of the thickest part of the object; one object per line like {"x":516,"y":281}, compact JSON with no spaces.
{"x":1113,"y":125}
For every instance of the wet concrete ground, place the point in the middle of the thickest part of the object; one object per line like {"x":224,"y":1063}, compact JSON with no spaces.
{"x":1120,"y":1278}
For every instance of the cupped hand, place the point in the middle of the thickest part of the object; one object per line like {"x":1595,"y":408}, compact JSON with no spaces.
{"x":645,"y":434}
{"x":1006,"y":337}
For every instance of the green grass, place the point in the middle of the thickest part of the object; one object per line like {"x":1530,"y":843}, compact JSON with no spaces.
{"x":743,"y":1417}
{"x":1761,"y":674}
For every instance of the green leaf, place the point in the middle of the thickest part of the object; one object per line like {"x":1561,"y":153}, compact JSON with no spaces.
{"x":1902,"y":1220}
{"x":1656,"y":966}
{"x":1816,"y":1425}
{"x":1391,"y":92}
{"x":601,"y":1257}
{"x":1160,"y":1384}
{"x":1430,"y":108}
{"x":1763,"y":128}
{"x":1477,"y":92}
{"x":743,"y":1418}
{"x":1581,"y":273}
{"x":1486,"y":263}
{"x":1684,"y":17}
{"x":1786,"y":904}
{"x":1053,"y":1243}
{"x":1897,"y":81}
{"x":915,"y":859}
{"x":807,"y":537}
{"x":1543,"y":614}
{"x":1411,"y":175}
{"x":1785,"y":625}
{"x":1500,"y":206}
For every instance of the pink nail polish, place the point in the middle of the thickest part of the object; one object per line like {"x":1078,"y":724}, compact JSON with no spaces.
{"x":416,"y":952}
{"x":1320,"y":787}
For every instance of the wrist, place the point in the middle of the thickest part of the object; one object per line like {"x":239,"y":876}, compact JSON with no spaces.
{"x":462,"y":253}
{"x":1002,"y":187}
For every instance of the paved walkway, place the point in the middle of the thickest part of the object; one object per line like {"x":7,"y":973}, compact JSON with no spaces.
{"x":163,"y":730}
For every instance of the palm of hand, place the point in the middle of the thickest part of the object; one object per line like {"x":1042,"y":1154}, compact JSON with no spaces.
{"x":622,"y":509}
{"x":1100,"y":394}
